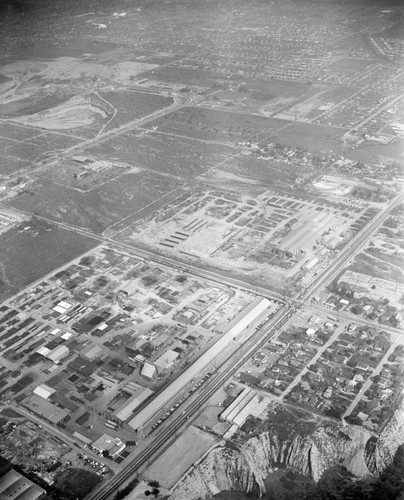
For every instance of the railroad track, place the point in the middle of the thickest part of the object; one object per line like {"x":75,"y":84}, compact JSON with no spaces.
{"x":229,"y":367}
{"x":167,"y":434}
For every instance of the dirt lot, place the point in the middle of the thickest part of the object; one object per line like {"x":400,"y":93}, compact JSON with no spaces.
{"x":23,"y":147}
{"x":269,"y":173}
{"x":318,"y":103}
{"x":313,"y":138}
{"x":173,"y":463}
{"x":177,"y":156}
{"x":182,"y":76}
{"x":214,"y":125}
{"x":97,"y":209}
{"x":131,"y":105}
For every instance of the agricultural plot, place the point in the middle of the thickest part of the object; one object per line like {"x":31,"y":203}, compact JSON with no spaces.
{"x":177,"y":156}
{"x":28,"y":254}
{"x":132,"y":194}
{"x":220,"y":126}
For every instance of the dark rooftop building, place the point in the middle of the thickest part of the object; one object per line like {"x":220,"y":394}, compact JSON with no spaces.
{"x":14,"y":486}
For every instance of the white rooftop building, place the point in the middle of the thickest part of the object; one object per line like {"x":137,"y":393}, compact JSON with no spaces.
{"x":44,"y":391}
{"x":114,"y":446}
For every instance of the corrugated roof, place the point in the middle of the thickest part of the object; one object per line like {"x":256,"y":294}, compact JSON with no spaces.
{"x":14,"y":486}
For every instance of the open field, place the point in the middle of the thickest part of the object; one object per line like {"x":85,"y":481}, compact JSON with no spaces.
{"x":80,"y":115}
{"x":313,"y":138}
{"x":131,"y":105}
{"x":18,"y":132}
{"x":182,"y":76}
{"x":75,"y":47}
{"x":31,"y":104}
{"x":347,"y":67}
{"x":212,"y":125}
{"x":129,"y":194}
{"x":391,"y":152}
{"x":29,"y":148}
{"x":85,"y":173}
{"x":177,"y":156}
{"x":27,"y":255}
{"x":265,"y":172}
{"x":261,"y":97}
{"x":62,"y":93}
{"x":367,"y":264}
{"x":321,"y":101}
{"x":173,"y":463}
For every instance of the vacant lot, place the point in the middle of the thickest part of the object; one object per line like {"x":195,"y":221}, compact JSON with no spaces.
{"x":265,"y":172}
{"x":29,"y":148}
{"x":173,"y":463}
{"x":316,"y":104}
{"x":185,"y":158}
{"x":348,"y":67}
{"x":131,"y":105}
{"x":130,"y":194}
{"x":367,"y":264}
{"x":182,"y":76}
{"x":27,"y":256}
{"x":214,"y":125}
{"x":313,"y":138}
{"x":263,"y":97}
{"x":18,"y":132}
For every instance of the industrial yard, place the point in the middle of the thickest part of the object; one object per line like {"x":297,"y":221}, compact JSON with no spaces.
{"x":109,"y":333}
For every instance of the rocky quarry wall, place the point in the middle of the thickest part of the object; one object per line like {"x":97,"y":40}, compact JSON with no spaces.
{"x":289,"y":439}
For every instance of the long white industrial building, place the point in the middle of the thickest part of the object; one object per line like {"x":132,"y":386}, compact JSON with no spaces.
{"x":242,"y":322}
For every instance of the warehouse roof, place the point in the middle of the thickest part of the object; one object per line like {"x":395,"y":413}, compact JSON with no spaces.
{"x":14,"y":486}
{"x":126,"y":411}
{"x":44,"y":391}
{"x":58,"y":353}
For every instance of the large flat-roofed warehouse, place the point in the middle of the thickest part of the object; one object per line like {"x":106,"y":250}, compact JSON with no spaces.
{"x":242,"y":322}
{"x":14,"y":486}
